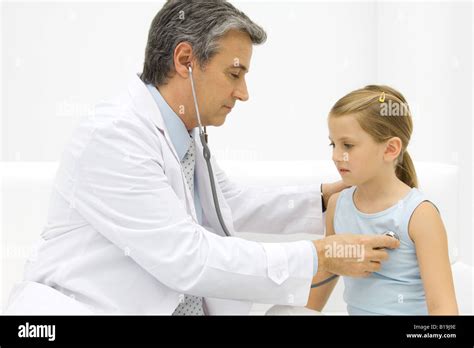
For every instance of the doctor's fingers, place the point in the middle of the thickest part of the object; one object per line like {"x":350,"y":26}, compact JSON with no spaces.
{"x":376,"y":255}
{"x":369,"y":267}
{"x":364,"y":269}
{"x":381,"y":242}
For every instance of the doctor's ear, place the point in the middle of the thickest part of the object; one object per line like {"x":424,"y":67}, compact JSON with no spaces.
{"x":393,"y":148}
{"x":183,"y":57}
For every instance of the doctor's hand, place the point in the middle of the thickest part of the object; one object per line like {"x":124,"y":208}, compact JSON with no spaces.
{"x":353,"y":255}
{"x":328,"y":189}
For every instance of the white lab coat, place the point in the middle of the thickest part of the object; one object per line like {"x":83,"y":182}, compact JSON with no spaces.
{"x":122,"y":235}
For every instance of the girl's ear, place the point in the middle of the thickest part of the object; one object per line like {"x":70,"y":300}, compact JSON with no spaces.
{"x":392,"y":149}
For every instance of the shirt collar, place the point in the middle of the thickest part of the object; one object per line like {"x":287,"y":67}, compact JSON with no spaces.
{"x":178,"y":133}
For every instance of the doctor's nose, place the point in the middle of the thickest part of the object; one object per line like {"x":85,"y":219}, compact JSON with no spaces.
{"x":241,"y":93}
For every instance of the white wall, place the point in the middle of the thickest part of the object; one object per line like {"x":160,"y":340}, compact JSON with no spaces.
{"x":59,"y":58}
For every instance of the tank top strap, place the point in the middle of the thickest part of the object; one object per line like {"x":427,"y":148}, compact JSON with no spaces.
{"x":344,"y":202}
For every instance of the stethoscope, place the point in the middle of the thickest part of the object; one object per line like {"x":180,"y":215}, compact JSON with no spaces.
{"x":207,"y":157}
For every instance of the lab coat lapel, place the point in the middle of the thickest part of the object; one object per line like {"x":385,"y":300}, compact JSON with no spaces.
{"x":205,"y":193}
{"x":146,"y":106}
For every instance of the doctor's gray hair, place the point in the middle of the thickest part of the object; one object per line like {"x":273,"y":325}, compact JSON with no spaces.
{"x":201,"y":23}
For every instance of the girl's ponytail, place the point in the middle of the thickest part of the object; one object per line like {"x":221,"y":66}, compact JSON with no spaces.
{"x":405,"y":171}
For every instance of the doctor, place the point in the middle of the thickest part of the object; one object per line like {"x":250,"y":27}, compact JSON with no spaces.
{"x":132,"y":226}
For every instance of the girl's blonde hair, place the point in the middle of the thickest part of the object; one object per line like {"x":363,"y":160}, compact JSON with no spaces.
{"x":383,"y":113}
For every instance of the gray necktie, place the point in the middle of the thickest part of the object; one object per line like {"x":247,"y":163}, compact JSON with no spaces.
{"x":192,"y":305}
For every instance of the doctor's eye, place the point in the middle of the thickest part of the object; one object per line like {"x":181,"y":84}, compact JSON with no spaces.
{"x":348,"y":146}
{"x":332,"y":145}
{"x":235,"y":76}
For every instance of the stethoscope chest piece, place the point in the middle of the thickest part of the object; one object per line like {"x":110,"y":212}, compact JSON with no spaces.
{"x":392,"y":234}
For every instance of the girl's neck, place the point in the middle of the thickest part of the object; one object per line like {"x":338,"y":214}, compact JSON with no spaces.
{"x":380,"y":193}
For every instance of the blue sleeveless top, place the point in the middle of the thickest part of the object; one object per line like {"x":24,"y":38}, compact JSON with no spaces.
{"x":397,"y":289}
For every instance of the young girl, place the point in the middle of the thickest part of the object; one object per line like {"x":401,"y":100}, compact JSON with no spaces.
{"x":369,"y":130}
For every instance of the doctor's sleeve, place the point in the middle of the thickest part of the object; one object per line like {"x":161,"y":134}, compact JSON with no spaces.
{"x":274,"y":210}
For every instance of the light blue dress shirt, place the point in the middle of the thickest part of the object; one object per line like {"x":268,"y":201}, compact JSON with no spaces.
{"x":181,"y":140}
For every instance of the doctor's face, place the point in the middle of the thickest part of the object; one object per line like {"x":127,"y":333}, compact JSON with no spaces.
{"x":222,"y":81}
{"x":356,"y":155}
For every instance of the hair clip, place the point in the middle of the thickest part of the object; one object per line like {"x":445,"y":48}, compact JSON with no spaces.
{"x":382,"y":97}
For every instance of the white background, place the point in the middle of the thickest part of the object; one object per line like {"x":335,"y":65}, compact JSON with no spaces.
{"x":60,"y":58}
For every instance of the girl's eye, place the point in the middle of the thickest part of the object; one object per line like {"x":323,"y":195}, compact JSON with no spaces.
{"x":235,"y":76}
{"x":347,"y":146}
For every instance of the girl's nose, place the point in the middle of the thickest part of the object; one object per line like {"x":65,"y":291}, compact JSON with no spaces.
{"x":337,"y":155}
{"x":340,"y":156}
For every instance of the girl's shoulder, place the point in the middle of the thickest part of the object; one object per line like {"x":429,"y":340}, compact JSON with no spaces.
{"x":425,"y":222}
{"x":345,"y":194}
{"x":417,"y":207}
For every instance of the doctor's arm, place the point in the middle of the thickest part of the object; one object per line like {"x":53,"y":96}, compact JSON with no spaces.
{"x":276,"y":210}
{"x":320,"y":295}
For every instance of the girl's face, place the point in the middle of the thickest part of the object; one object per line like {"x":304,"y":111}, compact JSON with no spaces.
{"x":356,"y":155}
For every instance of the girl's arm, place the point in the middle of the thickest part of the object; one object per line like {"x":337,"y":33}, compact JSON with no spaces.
{"x":319,"y":296}
{"x":427,"y":231}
